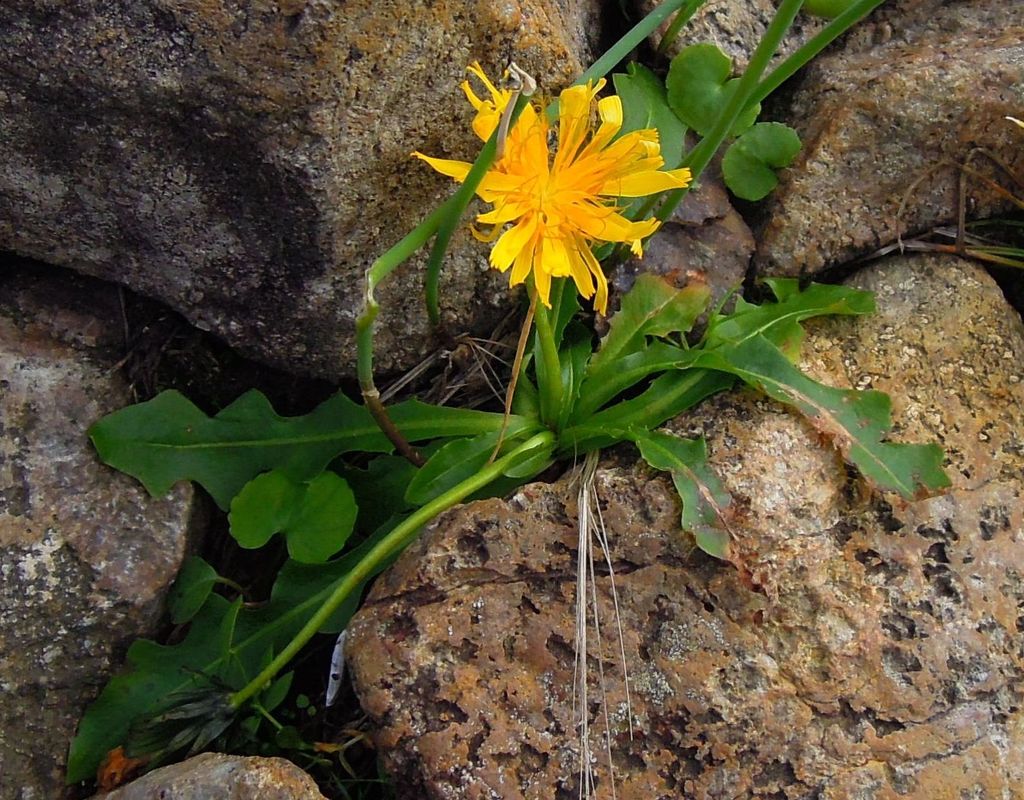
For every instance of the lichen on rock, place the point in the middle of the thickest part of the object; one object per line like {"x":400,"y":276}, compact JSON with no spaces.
{"x":866,"y":647}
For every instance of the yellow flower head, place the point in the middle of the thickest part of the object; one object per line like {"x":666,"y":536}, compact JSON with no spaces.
{"x":557,"y":208}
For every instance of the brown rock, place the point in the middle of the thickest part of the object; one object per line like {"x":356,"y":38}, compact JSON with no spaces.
{"x":85,"y":554}
{"x":213,"y":776}
{"x":871,"y":648}
{"x":886,"y":120}
{"x":245,"y":163}
{"x":704,"y":240}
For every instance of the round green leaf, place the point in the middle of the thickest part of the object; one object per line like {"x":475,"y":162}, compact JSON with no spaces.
{"x":698,"y":87}
{"x":316,"y":517}
{"x":749,"y":164}
{"x":263,"y":508}
{"x":322,"y":522}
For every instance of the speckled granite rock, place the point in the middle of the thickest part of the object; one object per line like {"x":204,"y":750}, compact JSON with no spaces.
{"x":244,"y":162}
{"x":885,"y":119}
{"x":85,"y":554}
{"x":213,"y":776}
{"x":870,"y":648}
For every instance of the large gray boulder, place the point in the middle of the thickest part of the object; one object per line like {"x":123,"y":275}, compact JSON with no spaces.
{"x":245,"y":162}
{"x":85,"y":554}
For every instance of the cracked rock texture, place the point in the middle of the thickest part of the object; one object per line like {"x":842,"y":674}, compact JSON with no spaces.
{"x":244,"y":162}
{"x":85,"y":554}
{"x":868,"y":648}
{"x":885,"y":119}
{"x":213,"y":776}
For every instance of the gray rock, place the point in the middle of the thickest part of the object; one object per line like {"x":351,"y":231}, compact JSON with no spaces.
{"x":213,"y":776}
{"x":885,"y":121}
{"x":246,"y":163}
{"x":85,"y":554}
{"x":860,"y":646}
{"x":736,"y":26}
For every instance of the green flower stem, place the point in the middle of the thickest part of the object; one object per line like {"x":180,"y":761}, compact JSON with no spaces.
{"x":701,"y":155}
{"x":549,"y":370}
{"x":632,"y":39}
{"x":685,"y":15}
{"x":838,"y":26}
{"x":457,"y":205}
{"x":387,"y":547}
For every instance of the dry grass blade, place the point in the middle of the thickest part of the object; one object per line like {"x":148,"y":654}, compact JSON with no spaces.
{"x":591,"y":531}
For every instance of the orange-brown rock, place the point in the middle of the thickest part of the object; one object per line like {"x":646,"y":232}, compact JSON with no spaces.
{"x":869,"y":648}
{"x":214,"y":776}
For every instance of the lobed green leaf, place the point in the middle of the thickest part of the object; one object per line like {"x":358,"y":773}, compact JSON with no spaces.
{"x":855,"y":421}
{"x":225,"y":642}
{"x":195,"y":581}
{"x":777,"y":321}
{"x":168,"y":439}
{"x":707,"y":506}
{"x":653,"y":307}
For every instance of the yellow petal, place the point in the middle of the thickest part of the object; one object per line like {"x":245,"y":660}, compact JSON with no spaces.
{"x":601,"y":300}
{"x":581,"y":272}
{"x":504,"y":212}
{"x":641,"y":184}
{"x":474,"y":101}
{"x":555,"y":258}
{"x":453,"y":169}
{"x":523,"y":264}
{"x":486,"y":122}
{"x":511,"y":244}
{"x":573,"y":121}
{"x":609,"y":109}
{"x":607,"y":225}
{"x":542,"y":280}
{"x":496,"y":94}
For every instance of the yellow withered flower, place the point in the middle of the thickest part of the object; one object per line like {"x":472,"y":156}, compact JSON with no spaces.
{"x":549,"y":211}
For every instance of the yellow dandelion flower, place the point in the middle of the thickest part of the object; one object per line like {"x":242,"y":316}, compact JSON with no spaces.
{"x":557,"y":208}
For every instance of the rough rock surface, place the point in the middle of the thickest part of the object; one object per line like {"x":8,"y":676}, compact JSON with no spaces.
{"x":244,"y":162}
{"x":872,"y":648}
{"x":85,"y":554}
{"x":213,"y":776}
{"x":884,"y":121}
{"x":705,"y":239}
{"x":736,"y":26}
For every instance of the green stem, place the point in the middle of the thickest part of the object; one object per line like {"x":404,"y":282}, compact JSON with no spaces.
{"x":701,"y":155}
{"x":387,"y":547}
{"x":549,"y":370}
{"x":796,"y":60}
{"x":685,"y":15}
{"x":632,"y":39}
{"x":457,"y":205}
{"x":377,"y":272}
